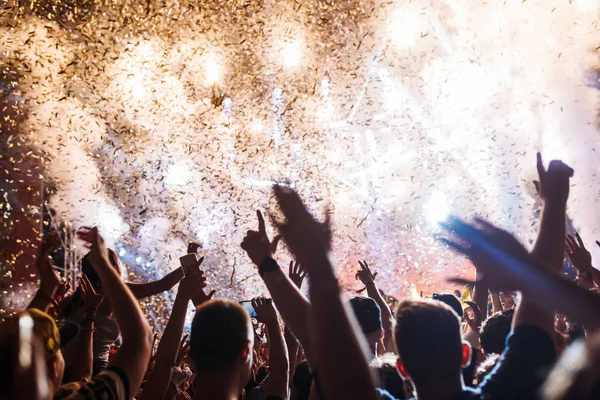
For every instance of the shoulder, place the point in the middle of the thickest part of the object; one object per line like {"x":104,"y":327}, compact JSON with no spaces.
{"x":112,"y":383}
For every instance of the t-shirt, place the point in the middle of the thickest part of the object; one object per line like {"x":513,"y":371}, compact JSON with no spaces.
{"x":520,"y":371}
{"x":107,"y":332}
{"x":110,"y":384}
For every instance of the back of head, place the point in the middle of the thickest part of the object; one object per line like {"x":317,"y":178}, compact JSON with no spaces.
{"x":302,"y":381}
{"x":221,"y":330}
{"x":451,"y":300}
{"x":367,"y":313}
{"x":428,"y":340}
{"x":495,"y":330}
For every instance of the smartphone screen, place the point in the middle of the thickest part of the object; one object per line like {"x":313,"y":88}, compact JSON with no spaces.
{"x":248,"y":306}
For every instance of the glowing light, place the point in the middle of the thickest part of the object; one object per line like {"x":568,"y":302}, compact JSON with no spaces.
{"x":135,"y":84}
{"x":212,"y":71}
{"x":406,"y":28}
{"x":178,"y":174}
{"x":138,"y":259}
{"x":437,"y":209}
{"x":122,"y":252}
{"x":586,"y":5}
{"x":292,"y":53}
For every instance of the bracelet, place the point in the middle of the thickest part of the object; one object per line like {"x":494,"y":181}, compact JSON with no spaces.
{"x":268,"y":265}
{"x":46,"y":297}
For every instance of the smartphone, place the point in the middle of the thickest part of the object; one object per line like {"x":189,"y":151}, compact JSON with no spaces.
{"x":248,"y":306}
{"x":188,"y":263}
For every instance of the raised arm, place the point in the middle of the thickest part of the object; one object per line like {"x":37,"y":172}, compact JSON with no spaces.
{"x":549,"y":249}
{"x":83,"y":359}
{"x":368,"y":279}
{"x":290,"y":302}
{"x":279,"y":366}
{"x":132,"y":357}
{"x":157,"y":382}
{"x":147,"y":289}
{"x":49,"y":279}
{"x":334,"y":333}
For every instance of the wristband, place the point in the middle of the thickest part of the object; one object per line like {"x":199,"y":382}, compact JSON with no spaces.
{"x":267,"y":265}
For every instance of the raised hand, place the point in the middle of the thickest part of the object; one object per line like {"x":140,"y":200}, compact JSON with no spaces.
{"x":91,"y":299}
{"x":576,"y":252}
{"x":94,"y":243}
{"x":474,"y":322}
{"x":265,"y":311}
{"x":364,"y":274}
{"x":193,"y":247}
{"x":192,"y":284}
{"x":553,"y":184}
{"x":202,"y":297}
{"x":257,"y":244}
{"x":297,"y":274}
{"x":307,"y":238}
{"x":490,"y":246}
{"x":50,"y":281}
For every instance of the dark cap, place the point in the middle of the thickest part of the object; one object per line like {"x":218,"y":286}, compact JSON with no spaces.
{"x":367,"y":313}
{"x":451,"y":300}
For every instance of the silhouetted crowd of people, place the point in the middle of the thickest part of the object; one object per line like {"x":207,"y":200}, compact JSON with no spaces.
{"x":519,"y":330}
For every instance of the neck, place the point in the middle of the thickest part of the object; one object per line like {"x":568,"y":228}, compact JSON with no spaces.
{"x":217,"y":386}
{"x":444,"y":389}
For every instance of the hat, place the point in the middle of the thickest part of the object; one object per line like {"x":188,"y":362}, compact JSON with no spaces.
{"x":45,"y":329}
{"x":450,"y":300}
{"x":367,"y":313}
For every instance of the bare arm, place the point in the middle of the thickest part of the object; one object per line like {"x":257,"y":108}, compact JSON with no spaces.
{"x":496,"y":303}
{"x":368,"y":279}
{"x":279,"y":365}
{"x":158,"y":381}
{"x":132,"y":357}
{"x":147,"y":289}
{"x":549,"y":249}
{"x":334,"y":333}
{"x":85,"y":356}
{"x":290,"y":302}
{"x":292,"y":349}
{"x":49,"y":279}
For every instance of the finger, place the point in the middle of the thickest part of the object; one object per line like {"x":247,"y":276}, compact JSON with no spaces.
{"x":579,"y":240}
{"x":199,"y":263}
{"x":290,"y":202}
{"x":211,"y":294}
{"x":597,"y":243}
{"x":536,"y":184}
{"x":356,"y":277}
{"x":375,"y":275}
{"x":361,"y":265}
{"x":568,"y":247}
{"x":327,"y":221}
{"x":540,"y":166}
{"x":572,"y":243}
{"x":261,"y":222}
{"x":275,"y":242}
{"x":291,"y":268}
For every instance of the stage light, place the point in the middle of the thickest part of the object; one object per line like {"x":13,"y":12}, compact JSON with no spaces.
{"x":406,"y":28}
{"x":437,"y":208}
{"x":122,"y":252}
{"x":291,"y":53}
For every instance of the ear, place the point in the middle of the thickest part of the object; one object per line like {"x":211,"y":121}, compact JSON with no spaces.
{"x":247,"y":352}
{"x":466,"y":354}
{"x":401,"y":370}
